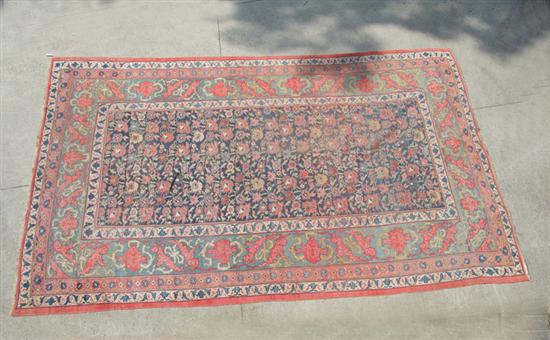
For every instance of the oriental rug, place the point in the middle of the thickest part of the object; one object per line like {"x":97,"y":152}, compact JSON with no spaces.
{"x":208,"y":181}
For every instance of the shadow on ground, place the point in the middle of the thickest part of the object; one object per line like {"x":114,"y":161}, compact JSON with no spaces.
{"x":501,"y":27}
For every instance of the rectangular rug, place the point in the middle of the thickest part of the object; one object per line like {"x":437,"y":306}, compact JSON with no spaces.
{"x":208,"y":181}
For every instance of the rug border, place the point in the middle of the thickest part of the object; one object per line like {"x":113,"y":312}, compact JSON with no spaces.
{"x":263,"y":298}
{"x":36,"y":311}
{"x":15,"y":310}
{"x":490,"y":163}
{"x":267,"y":57}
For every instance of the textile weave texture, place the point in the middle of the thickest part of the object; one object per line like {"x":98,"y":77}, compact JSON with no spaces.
{"x":207,"y":181}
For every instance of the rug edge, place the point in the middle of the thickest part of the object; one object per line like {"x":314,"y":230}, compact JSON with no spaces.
{"x":490,"y":163}
{"x":31,"y":188}
{"x":16,"y":312}
{"x":249,"y":57}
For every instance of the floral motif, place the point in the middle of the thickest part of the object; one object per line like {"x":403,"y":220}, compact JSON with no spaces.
{"x":311,"y":250}
{"x":397,"y":239}
{"x":220,"y":89}
{"x":133,"y":259}
{"x":84,"y":101}
{"x":366,"y":85}
{"x":469,"y":203}
{"x":295,"y":84}
{"x":222,"y":251}
{"x":68,"y":223}
{"x":435,"y":88}
{"x":145,"y":88}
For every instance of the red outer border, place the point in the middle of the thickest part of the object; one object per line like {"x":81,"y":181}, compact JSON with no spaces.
{"x":484,"y":148}
{"x":298,"y":56}
{"x":31,"y":189}
{"x":262,"y":298}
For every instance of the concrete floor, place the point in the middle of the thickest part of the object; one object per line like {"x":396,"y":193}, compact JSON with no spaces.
{"x":503,"y":48}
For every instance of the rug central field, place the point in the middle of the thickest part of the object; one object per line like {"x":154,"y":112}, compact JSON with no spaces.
{"x":167,"y":182}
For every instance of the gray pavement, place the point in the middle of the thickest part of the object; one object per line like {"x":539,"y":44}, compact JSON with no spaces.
{"x":503,"y":48}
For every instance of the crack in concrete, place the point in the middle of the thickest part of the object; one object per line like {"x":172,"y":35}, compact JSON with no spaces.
{"x":496,"y":105}
{"x":14,"y":187}
{"x":247,"y":2}
{"x":219,"y":35}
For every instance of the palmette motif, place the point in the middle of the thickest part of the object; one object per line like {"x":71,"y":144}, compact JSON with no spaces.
{"x":188,"y":182}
